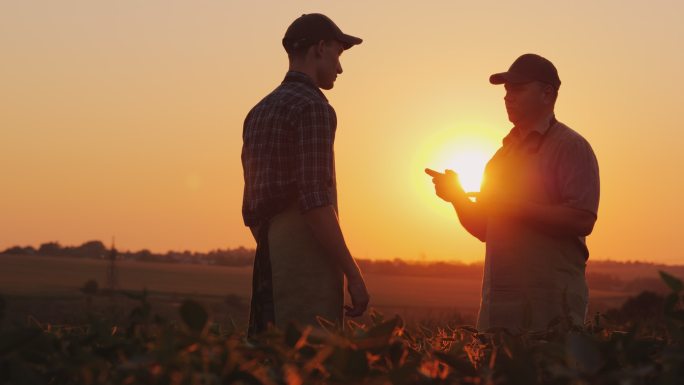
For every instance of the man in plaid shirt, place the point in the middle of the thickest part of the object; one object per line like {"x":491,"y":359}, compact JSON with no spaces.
{"x":290,"y":197}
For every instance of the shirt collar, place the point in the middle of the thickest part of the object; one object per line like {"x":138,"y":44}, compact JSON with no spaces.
{"x":543,"y":125}
{"x":301,"y":77}
{"x":534,"y":138}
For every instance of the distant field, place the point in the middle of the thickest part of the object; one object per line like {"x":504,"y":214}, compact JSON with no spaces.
{"x":36,"y":284}
{"x":52,"y":275}
{"x":628,"y":271}
{"x":40,"y":278}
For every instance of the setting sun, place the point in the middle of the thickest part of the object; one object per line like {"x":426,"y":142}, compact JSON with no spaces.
{"x":464,"y":152}
{"x":469,"y":165}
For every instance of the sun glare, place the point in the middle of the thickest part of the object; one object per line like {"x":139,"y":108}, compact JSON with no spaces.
{"x":469,"y":165}
{"x":466,"y":153}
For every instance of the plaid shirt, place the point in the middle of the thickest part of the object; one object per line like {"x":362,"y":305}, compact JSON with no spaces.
{"x":287,"y":152}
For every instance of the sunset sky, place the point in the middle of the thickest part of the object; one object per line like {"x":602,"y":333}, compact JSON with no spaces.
{"x":124,"y":118}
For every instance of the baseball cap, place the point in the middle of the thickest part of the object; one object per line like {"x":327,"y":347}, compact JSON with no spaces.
{"x":313,"y":27}
{"x":526,"y":68}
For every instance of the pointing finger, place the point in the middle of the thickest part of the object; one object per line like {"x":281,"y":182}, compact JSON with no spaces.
{"x":433,"y":173}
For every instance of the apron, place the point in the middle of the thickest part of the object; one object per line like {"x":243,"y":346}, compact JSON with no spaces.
{"x":294,"y":280}
{"x":531,"y":277}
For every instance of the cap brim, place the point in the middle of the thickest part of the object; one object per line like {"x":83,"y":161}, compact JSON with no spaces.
{"x":508,"y":77}
{"x":348,"y":41}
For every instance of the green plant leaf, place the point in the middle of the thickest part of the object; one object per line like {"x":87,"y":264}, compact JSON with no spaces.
{"x":675,"y":284}
{"x":583,"y":353}
{"x":194,"y":315}
{"x":12,"y":340}
{"x":22,"y":372}
{"x":462,"y":366}
{"x":3,"y":305}
{"x":670,"y":303}
{"x":292,"y":335}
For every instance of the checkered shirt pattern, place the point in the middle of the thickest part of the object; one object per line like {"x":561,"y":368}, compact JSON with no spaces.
{"x":287,"y":152}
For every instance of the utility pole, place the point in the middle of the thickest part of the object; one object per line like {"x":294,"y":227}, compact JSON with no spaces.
{"x":112,"y":271}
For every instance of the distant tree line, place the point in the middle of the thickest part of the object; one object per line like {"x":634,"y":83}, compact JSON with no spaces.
{"x":402,"y":267}
{"x":97,"y":250}
{"x":242,"y":256}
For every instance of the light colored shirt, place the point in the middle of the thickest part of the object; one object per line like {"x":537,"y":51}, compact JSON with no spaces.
{"x":531,"y":274}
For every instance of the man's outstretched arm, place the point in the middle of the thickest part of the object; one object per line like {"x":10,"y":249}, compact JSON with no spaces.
{"x":326,"y":229}
{"x":471,"y":214}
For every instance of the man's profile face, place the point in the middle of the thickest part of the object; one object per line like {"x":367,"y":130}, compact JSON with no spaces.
{"x":329,"y":64}
{"x":525,"y":101}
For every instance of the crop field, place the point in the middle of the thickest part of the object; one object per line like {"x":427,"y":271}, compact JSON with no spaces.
{"x":49,"y":289}
{"x":181,"y":330}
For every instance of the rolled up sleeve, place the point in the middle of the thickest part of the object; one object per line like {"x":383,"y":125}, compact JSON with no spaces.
{"x":578,"y":177}
{"x":315,"y":173}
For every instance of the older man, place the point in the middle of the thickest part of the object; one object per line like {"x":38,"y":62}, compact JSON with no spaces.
{"x":538,"y":202}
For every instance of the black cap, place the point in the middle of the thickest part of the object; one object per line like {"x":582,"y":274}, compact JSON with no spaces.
{"x":529,"y":67}
{"x":311,"y":28}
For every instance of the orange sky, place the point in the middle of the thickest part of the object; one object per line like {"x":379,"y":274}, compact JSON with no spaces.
{"x":124,"y":118}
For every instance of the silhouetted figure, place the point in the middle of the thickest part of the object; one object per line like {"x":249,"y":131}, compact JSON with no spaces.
{"x":290,"y":196}
{"x":537,"y":203}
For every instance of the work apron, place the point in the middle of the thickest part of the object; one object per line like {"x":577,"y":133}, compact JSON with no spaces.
{"x":304,"y":282}
{"x":531,"y":276}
